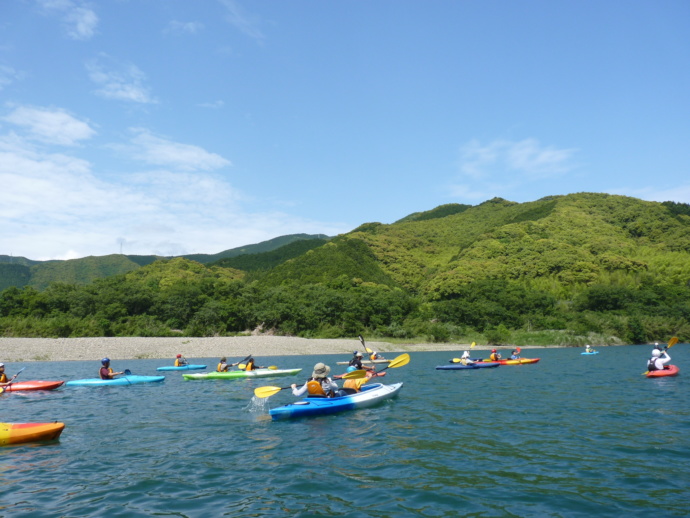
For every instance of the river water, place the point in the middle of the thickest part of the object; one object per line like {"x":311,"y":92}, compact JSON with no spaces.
{"x":569,"y":436}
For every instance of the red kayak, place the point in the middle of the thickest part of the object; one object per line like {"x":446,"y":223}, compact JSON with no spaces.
{"x":17,"y":433}
{"x":669,"y":370}
{"x":32,"y":385}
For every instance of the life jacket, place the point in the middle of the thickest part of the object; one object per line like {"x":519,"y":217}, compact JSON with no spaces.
{"x":3,"y":378}
{"x":250,"y":366}
{"x":651,"y":364}
{"x":356,"y":362}
{"x":314,"y":388}
{"x":494,"y":357}
{"x":221,"y":367}
{"x":110,"y":371}
{"x":178,"y":363}
{"x":354,"y":384}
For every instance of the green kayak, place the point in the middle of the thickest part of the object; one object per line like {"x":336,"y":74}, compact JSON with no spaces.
{"x":231,"y":375}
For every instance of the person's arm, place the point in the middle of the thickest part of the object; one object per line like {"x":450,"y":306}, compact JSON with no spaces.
{"x":332,"y":385}
{"x":299,"y":391}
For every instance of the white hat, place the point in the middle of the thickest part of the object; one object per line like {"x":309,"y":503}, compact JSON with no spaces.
{"x":656,"y":353}
{"x":2,"y":364}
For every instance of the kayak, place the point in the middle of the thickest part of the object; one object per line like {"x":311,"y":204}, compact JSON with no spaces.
{"x":521,"y":361}
{"x":17,"y":433}
{"x":181,"y":368}
{"x":365,"y":362}
{"x":670,"y":370}
{"x":593,"y":352}
{"x":378,"y":375}
{"x":32,"y":385}
{"x":370,"y":395}
{"x":459,"y":366}
{"x":132,"y":379}
{"x":231,"y":375}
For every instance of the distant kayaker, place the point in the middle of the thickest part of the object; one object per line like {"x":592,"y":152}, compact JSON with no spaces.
{"x":495,"y":356}
{"x":180,"y":361}
{"x":3,"y":377}
{"x":223,"y":365}
{"x":375,"y":356}
{"x":658,"y":360}
{"x":465,"y":359}
{"x":356,"y":361}
{"x":319,"y":384}
{"x":251,"y":365}
{"x":515,"y":355}
{"x":106,"y":372}
{"x":588,"y":349}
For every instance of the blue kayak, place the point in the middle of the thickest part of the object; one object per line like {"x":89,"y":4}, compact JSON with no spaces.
{"x":459,"y":366}
{"x":593,"y":352}
{"x":132,"y":379}
{"x":181,"y":368}
{"x":313,"y":406}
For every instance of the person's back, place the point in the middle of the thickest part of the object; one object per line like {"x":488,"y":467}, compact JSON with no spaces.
{"x":658,"y":360}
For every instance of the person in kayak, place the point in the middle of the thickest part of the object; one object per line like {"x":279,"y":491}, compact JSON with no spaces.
{"x":319,"y":384}
{"x":251,"y":365}
{"x":3,"y":377}
{"x":514,"y":355}
{"x":356,"y":361}
{"x":465,"y":359}
{"x":495,"y":356}
{"x":658,"y":360}
{"x":180,"y":361}
{"x":106,"y":373}
{"x":375,"y":356}
{"x":223,"y":365}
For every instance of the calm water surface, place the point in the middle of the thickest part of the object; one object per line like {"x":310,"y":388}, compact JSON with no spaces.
{"x":570,"y":436}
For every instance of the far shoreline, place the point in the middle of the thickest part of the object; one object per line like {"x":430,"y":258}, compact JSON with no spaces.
{"x":133,"y":348}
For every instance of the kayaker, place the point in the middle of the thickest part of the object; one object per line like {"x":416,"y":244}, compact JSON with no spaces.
{"x":514,"y":355}
{"x":319,"y":384}
{"x":375,"y":356}
{"x":495,"y":356}
{"x":180,"y":361}
{"x":352,"y":386}
{"x":251,"y":365}
{"x":465,"y":359}
{"x":106,"y":372}
{"x":3,"y":377}
{"x":658,"y":360}
{"x":588,"y":348}
{"x":223,"y":365}
{"x":356,"y":361}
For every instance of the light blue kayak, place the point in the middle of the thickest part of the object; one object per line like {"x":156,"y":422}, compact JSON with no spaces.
{"x":313,"y":406}
{"x":181,"y":368}
{"x":593,"y":352}
{"x":132,"y":379}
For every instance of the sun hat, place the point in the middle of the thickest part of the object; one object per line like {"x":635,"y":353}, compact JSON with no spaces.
{"x":321,"y":370}
{"x":359,"y":354}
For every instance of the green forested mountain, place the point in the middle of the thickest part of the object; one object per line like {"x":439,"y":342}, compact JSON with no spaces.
{"x":19,"y":271}
{"x":571,"y":269}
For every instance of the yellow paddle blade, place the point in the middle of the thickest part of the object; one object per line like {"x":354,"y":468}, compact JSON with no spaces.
{"x":456,"y":360}
{"x":241,"y":366}
{"x":2,"y":390}
{"x":401,"y":360}
{"x":370,"y":351}
{"x":645,"y":373}
{"x":273,"y":367}
{"x":262,"y":392}
{"x":473,"y":344}
{"x":673,"y":341}
{"x":361,"y":373}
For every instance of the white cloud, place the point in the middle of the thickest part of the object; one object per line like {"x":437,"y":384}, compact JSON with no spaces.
{"x":677,"y":193}
{"x":51,"y":126}
{"x":175,"y":27}
{"x":79,"y":20}
{"x":241,"y":20}
{"x":526,"y":157}
{"x":159,"y":151}
{"x":214,"y":105}
{"x":8,"y":75}
{"x":119,"y":81}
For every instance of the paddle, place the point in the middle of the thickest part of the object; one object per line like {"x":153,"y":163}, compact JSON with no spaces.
{"x":127,"y":372}
{"x":262,"y":392}
{"x":673,"y":341}
{"x":399,"y":361}
{"x":459,"y":360}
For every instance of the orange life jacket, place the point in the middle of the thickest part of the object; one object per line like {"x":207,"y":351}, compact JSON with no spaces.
{"x":221,"y":367}
{"x":355,"y":384}
{"x":3,"y":378}
{"x":314,"y":388}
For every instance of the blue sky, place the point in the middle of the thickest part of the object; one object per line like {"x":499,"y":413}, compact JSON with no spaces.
{"x":173,"y":126}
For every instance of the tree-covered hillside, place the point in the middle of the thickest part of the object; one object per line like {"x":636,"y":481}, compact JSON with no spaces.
{"x":575,"y":269}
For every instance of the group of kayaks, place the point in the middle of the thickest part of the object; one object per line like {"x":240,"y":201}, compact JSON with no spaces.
{"x":480,"y":363}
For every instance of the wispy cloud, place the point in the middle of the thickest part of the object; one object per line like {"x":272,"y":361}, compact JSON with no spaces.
{"x":214,"y":105}
{"x":242,"y":20}
{"x":50,"y":126}
{"x":175,"y":27}
{"x":502,"y":167}
{"x":78,"y":18}
{"x":159,"y":151}
{"x":8,"y":75}
{"x":678,"y":193}
{"x":119,"y":81}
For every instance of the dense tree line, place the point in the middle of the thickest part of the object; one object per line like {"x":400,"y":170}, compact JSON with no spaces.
{"x":205,"y":302}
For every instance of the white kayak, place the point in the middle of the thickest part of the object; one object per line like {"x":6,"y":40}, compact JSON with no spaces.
{"x":312,"y":406}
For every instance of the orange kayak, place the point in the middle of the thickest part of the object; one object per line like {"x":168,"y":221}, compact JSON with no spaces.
{"x":32,"y":385}
{"x":521,"y":361}
{"x":17,"y":433}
